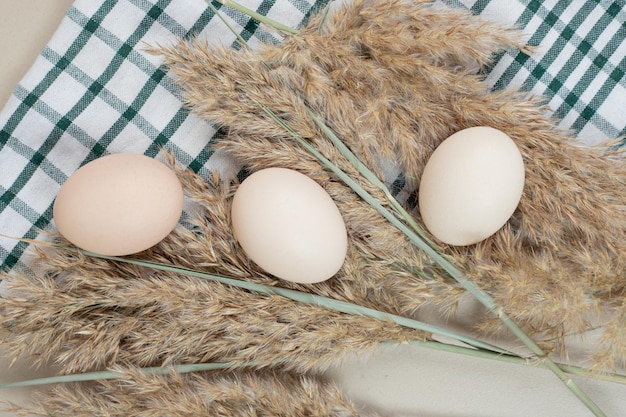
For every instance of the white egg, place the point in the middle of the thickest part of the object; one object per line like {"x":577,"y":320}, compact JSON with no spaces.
{"x":289,"y":226}
{"x":471,"y":185}
{"x":119,"y":204}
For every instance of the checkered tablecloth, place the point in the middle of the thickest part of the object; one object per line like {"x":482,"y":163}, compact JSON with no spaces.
{"x":93,"y":90}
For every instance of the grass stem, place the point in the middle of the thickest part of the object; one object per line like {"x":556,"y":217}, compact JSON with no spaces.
{"x":201,"y":367}
{"x":308,"y":298}
{"x":258,"y":17}
{"x":103,"y":375}
{"x":370,"y":176}
{"x":294,"y":295}
{"x":517,"y":360}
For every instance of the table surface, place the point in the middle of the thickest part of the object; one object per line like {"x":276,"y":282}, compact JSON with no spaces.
{"x":402,"y":380}
{"x":25,"y":28}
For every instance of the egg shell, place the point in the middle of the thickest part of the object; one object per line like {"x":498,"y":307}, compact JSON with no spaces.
{"x":119,"y":204}
{"x":471,"y":185}
{"x":289,"y":226}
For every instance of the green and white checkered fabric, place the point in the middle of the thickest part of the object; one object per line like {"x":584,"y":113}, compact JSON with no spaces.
{"x":579,"y":66}
{"x":94,"y":90}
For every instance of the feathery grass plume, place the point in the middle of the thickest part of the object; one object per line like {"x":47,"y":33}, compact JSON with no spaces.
{"x":394,"y":79}
{"x":612,"y":344}
{"x":84,"y":313}
{"x":239,"y":393}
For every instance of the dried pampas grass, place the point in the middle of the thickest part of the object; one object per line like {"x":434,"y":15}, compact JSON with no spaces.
{"x":246,"y":394}
{"x":85,"y":314}
{"x":392,"y":79}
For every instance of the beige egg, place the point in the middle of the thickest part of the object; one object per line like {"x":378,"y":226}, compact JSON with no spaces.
{"x":471,"y":185}
{"x":119,"y":204}
{"x":289,"y":226}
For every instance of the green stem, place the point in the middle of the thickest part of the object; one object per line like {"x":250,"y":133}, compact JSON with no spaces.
{"x":259,"y":17}
{"x":513,"y":359}
{"x":434,"y":345}
{"x":102,"y":375}
{"x":241,"y":40}
{"x":369,"y":175}
{"x":325,"y":15}
{"x":307,"y":298}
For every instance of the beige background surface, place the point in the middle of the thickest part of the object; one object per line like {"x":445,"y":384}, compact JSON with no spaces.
{"x":403,"y":380}
{"x":25,"y":28}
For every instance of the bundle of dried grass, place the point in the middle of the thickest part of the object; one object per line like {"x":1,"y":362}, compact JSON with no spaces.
{"x":228,"y":394}
{"x":85,"y":314}
{"x":392,"y":79}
